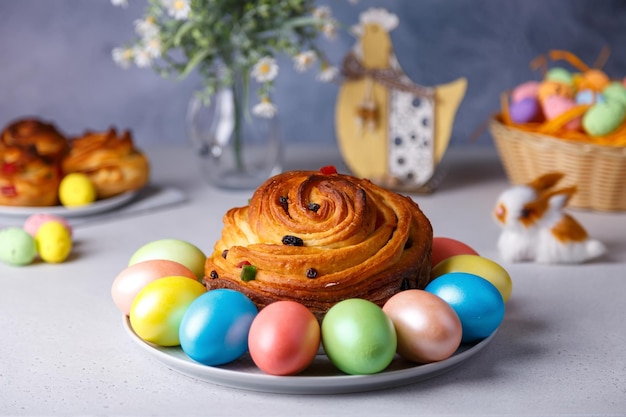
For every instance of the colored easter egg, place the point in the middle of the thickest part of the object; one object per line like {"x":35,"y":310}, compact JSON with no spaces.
{"x":358,"y":337}
{"x":428,"y":329}
{"x":526,"y":110}
{"x":477,"y":265}
{"x":159,"y":307}
{"x":615,"y":91}
{"x":476,"y":301}
{"x":17,"y":247}
{"x":34,"y":222}
{"x":173,"y":250}
{"x":559,"y":74}
{"x":76,"y":189}
{"x":54,"y":243}
{"x":445,"y":247}
{"x":589,"y":97}
{"x":529,"y":89}
{"x":554,"y":106}
{"x":214,"y":329}
{"x":594,"y":79}
{"x":554,"y":88}
{"x":603,"y":118}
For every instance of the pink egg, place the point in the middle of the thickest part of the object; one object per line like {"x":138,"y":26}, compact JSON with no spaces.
{"x":132,"y":279}
{"x":445,"y":247}
{"x":528,"y":89}
{"x":34,"y":222}
{"x":428,"y":329}
{"x":554,"y":106}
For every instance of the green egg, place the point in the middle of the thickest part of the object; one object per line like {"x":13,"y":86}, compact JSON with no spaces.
{"x":175,"y":250}
{"x":559,"y":74}
{"x":603,"y":118}
{"x":17,"y":247}
{"x":358,"y":337}
{"x":616,"y":91}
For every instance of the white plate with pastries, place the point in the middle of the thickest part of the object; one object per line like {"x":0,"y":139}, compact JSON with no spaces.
{"x":321,"y":377}
{"x":97,"y":207}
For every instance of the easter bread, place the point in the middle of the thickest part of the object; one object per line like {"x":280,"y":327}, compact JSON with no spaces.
{"x":319,"y":237}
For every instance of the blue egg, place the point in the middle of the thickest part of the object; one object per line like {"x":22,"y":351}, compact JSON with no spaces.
{"x":476,"y":301}
{"x":214,"y":329}
{"x":589,"y":97}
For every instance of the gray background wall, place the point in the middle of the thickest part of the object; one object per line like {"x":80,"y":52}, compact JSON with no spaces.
{"x":55,"y":61}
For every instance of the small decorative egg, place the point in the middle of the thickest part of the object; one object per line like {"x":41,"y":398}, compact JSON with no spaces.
{"x":76,"y":189}
{"x":131,"y":280}
{"x":54,"y":243}
{"x":284,"y":347}
{"x":158,"y":309}
{"x":589,"y":97}
{"x":559,"y":74}
{"x":594,"y":79}
{"x":358,"y":337}
{"x":33,"y":222}
{"x":17,"y":247}
{"x":174,"y":250}
{"x":554,"y":88}
{"x":476,"y":301}
{"x":428,"y":329}
{"x":214,"y":329}
{"x":554,"y":106}
{"x":603,"y":118}
{"x":526,"y":110}
{"x":445,"y":247}
{"x":477,"y":265}
{"x":615,"y":91}
{"x":529,"y":89}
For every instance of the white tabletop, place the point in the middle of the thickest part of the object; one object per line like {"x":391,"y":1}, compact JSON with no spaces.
{"x":561,"y":348}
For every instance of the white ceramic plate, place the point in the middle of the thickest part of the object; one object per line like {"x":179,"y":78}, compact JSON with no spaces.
{"x":320,"y":378}
{"x":96,"y":207}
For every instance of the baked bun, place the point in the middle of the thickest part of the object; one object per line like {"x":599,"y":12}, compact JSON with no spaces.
{"x":37,"y":136}
{"x":319,"y":239}
{"x":110,"y":161}
{"x":27,"y":179}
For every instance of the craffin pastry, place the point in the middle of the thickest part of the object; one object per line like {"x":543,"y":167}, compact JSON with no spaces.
{"x":26,"y":179}
{"x":319,"y":239}
{"x":111,"y":162}
{"x":39,"y":137}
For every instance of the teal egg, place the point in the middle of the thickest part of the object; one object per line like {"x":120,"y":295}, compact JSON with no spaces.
{"x":17,"y":247}
{"x":603,"y":118}
{"x":559,"y":74}
{"x":615,"y":91}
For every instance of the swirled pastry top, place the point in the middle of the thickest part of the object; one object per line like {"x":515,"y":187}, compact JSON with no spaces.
{"x":319,"y":239}
{"x":37,"y":136}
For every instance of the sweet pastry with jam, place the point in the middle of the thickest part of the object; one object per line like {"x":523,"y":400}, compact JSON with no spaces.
{"x":319,"y":237}
{"x":110,"y":160}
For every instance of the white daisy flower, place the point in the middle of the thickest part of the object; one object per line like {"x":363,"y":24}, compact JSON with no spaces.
{"x":330,"y":30}
{"x":142,"y":57}
{"x":146,"y":28}
{"x":265,"y":109}
{"x":120,"y":3}
{"x":322,"y":12}
{"x":122,"y":56}
{"x":304,"y":60}
{"x":328,"y":73}
{"x":178,"y":9}
{"x":153,"y":47}
{"x":266,"y":69}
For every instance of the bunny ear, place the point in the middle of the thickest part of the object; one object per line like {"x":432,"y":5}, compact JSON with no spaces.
{"x":545,"y":181}
{"x":559,"y":198}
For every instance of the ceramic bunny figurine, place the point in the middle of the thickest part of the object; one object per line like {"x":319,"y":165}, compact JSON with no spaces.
{"x":535,"y":228}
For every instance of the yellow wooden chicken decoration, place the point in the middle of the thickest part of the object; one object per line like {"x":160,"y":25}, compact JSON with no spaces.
{"x":390,"y":129}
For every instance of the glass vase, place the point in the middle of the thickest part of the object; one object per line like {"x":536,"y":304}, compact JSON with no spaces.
{"x":236,"y":149}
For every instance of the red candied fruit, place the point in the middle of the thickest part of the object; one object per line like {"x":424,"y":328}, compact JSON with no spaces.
{"x":328,"y":170}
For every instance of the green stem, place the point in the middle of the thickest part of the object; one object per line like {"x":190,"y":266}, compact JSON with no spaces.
{"x":239,"y":106}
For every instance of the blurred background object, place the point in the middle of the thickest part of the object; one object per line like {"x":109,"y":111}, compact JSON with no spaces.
{"x":56,"y":62}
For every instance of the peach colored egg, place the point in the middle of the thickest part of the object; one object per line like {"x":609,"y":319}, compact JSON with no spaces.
{"x":555,"y":105}
{"x":550,"y":88}
{"x":529,"y":89}
{"x":132,"y":279}
{"x":34,"y":222}
{"x":594,"y":79}
{"x":427,"y":327}
{"x":445,"y":247}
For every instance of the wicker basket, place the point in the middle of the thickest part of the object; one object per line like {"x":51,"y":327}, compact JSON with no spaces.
{"x":599,"y":172}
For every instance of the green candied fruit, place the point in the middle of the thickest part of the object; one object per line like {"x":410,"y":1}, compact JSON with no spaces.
{"x":248,"y":273}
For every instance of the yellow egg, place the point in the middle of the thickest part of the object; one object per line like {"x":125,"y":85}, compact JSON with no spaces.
{"x":76,"y":189}
{"x":53,"y":241}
